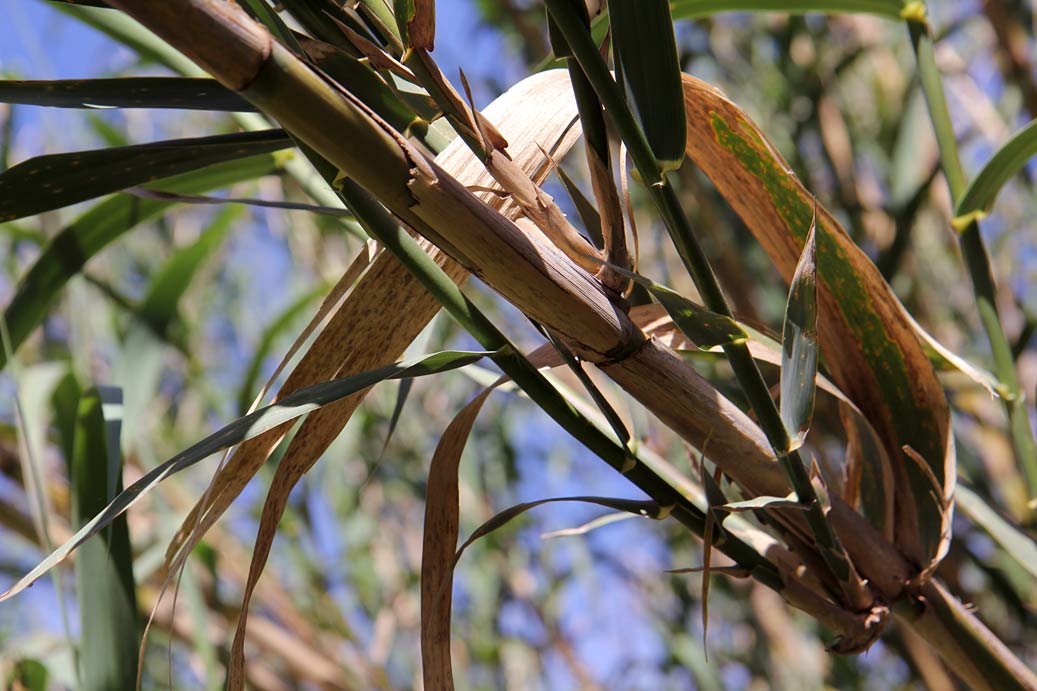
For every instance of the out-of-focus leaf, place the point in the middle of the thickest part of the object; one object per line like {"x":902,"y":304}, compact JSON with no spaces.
{"x":1002,"y":167}
{"x":29,"y":675}
{"x":266,"y":342}
{"x":160,"y":306}
{"x":104,"y":567}
{"x":646,"y":60}
{"x":289,"y":408}
{"x":870,"y":347}
{"x":126,"y":92}
{"x":1013,"y":541}
{"x":50,"y":182}
{"x":134,"y":35}
{"x":799,"y":346}
{"x":684,"y":9}
{"x":69,"y":250}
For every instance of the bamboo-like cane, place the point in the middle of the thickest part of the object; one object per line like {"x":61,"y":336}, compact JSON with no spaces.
{"x":547,"y":286}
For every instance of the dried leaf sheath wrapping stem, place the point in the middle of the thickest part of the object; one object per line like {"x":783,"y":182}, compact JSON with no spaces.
{"x":569,"y":301}
{"x":525,"y":269}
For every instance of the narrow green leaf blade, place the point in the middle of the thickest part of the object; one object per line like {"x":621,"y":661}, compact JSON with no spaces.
{"x":50,"y":182}
{"x":159,"y":309}
{"x":687,"y":9}
{"x":705,"y":329}
{"x":126,"y":92}
{"x":799,"y":345}
{"x":72,"y":248}
{"x":646,"y":57}
{"x":1017,"y":544}
{"x":104,"y":568}
{"x":289,"y":408}
{"x":1002,"y":167}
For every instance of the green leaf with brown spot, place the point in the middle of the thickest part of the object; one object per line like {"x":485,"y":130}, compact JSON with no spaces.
{"x":869,"y":343}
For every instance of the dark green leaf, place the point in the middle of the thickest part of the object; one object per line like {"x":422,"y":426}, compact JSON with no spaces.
{"x":51,"y":182}
{"x":104,"y":567}
{"x":705,"y":329}
{"x":588,"y":214}
{"x":70,"y":249}
{"x":646,"y":59}
{"x":125,"y":92}
{"x":160,"y":307}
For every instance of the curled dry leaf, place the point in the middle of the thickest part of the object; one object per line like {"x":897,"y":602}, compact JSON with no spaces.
{"x":387,"y":310}
{"x":870,"y":346}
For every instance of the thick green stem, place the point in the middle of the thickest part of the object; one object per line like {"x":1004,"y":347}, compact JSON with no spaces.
{"x":977,"y":259}
{"x":745,"y":369}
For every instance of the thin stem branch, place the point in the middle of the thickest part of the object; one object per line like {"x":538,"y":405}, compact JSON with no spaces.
{"x":977,"y":259}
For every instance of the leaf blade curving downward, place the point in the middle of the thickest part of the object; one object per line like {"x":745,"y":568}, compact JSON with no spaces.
{"x":247,"y":427}
{"x":871,"y":348}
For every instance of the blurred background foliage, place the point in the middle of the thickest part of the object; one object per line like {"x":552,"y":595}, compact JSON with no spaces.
{"x":191,"y":312}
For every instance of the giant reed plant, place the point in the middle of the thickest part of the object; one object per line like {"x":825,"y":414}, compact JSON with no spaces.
{"x":358,"y":92}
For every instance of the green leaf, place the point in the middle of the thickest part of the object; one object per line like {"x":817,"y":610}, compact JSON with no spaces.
{"x":126,"y":92}
{"x":104,"y":567}
{"x":70,"y":249}
{"x":646,"y":62}
{"x":588,"y":214}
{"x":159,"y":309}
{"x":705,"y":329}
{"x":265,"y":15}
{"x":50,"y":182}
{"x":1017,"y":544}
{"x":28,"y":674}
{"x":320,"y":17}
{"x":289,"y":408}
{"x":871,"y":350}
{"x":685,"y":9}
{"x":364,"y":83}
{"x":123,"y":29}
{"x":799,"y":345}
{"x":1005,"y":164}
